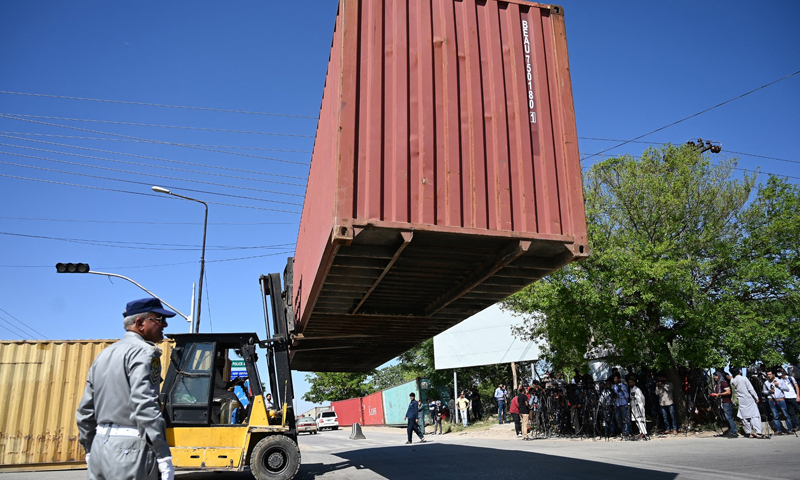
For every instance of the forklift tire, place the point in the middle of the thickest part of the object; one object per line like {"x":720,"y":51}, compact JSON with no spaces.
{"x":275,"y":457}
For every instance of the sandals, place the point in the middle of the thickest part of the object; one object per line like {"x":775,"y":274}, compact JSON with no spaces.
{"x":758,"y":435}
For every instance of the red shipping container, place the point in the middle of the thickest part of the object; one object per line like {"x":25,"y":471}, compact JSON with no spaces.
{"x":373,"y":409}
{"x":445,"y":174}
{"x":348,"y":411}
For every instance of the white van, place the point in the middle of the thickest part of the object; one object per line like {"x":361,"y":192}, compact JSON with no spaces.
{"x":328,"y":420}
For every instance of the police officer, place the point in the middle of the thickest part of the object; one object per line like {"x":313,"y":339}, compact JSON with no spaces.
{"x":119,"y":417}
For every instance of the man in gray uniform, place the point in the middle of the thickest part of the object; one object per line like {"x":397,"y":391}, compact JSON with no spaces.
{"x":119,"y":417}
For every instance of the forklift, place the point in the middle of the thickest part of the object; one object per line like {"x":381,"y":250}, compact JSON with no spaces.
{"x":209,"y":427}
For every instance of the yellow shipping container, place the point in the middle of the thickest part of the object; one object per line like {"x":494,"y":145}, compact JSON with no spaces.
{"x":41,"y":384}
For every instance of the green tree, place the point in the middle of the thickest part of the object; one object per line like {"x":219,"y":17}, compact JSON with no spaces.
{"x":333,"y":386}
{"x":390,"y":376}
{"x":419,"y":362}
{"x":663,"y":229}
{"x":768,"y":282}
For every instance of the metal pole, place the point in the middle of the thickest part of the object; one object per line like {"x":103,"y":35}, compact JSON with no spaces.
{"x":202,"y":253}
{"x":202,"y":270}
{"x":455,"y":398}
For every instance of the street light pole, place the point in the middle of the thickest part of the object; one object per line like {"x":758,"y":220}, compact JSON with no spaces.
{"x":202,"y":253}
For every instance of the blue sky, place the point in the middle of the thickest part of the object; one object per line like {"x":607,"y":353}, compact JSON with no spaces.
{"x":636,"y":66}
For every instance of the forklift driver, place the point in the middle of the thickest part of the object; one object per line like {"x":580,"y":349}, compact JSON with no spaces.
{"x":225,"y":400}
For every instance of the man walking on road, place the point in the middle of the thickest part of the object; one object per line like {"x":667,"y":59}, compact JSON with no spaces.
{"x":119,"y":417}
{"x":412,"y":415}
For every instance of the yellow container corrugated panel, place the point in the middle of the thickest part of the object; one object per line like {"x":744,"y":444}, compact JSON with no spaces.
{"x":41,"y":384}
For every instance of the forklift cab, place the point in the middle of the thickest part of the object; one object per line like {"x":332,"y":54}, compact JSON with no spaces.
{"x":199,"y":389}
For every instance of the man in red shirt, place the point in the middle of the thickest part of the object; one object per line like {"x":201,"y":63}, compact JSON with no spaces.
{"x":722,"y":392}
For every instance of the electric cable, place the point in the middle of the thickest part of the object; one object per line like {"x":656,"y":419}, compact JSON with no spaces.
{"x":52,"y":135}
{"x":162,"y":264}
{"x":25,"y":325}
{"x":144,"y":141}
{"x":132,"y":172}
{"x":113,"y":122}
{"x":21,"y":334}
{"x":152,"y":158}
{"x":17,"y":177}
{"x":139,"y":183}
{"x":133,"y":245}
{"x":68,"y":220}
{"x":695,"y":114}
{"x":148,"y":104}
{"x":151,"y":140}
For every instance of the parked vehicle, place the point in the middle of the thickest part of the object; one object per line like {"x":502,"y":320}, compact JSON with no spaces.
{"x":328,"y":420}
{"x":307,"y":424}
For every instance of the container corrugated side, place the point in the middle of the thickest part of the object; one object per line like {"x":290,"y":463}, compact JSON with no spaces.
{"x":445,"y":165}
{"x":348,"y":411}
{"x":372,"y":406}
{"x":41,"y":384}
{"x":396,"y":401}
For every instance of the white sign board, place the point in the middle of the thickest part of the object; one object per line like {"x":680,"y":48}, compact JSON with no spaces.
{"x":483,"y":339}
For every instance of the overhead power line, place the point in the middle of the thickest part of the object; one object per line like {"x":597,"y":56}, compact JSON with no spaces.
{"x":159,"y":159}
{"x":147,"y":104}
{"x":132,"y":172}
{"x":133,"y":181}
{"x":143,"y":245}
{"x":163,"y":264}
{"x":73,"y":220}
{"x":25,"y":325}
{"x":148,"y":140}
{"x":664,"y":143}
{"x":53,"y":182}
{"x":695,"y":114}
{"x":112,"y":122}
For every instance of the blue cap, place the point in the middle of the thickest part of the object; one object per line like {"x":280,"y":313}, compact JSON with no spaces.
{"x":146,"y":305}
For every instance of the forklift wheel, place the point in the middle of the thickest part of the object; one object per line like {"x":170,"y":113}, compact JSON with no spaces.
{"x":275,"y":457}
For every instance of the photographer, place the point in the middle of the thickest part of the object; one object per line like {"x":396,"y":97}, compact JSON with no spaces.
{"x":665,"y":401}
{"x":775,"y":391}
{"x":606,"y":404}
{"x":722,"y":393}
{"x":622,"y":399}
{"x":792,"y":398}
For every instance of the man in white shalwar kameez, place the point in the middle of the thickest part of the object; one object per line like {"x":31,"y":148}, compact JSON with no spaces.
{"x":637,"y":406}
{"x":748,"y":403}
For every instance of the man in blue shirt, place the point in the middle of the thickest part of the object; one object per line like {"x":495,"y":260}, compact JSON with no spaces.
{"x":412,"y":415}
{"x":622,"y":398}
{"x":500,"y":396}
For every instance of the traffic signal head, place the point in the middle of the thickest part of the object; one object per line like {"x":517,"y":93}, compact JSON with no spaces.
{"x":72,"y":267}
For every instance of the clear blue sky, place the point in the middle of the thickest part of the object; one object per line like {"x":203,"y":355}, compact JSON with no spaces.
{"x":636,"y":66}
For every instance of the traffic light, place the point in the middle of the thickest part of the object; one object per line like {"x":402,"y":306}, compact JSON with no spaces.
{"x":72,"y":267}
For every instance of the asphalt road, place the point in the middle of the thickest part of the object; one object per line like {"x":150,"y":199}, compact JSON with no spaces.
{"x":331,"y":455}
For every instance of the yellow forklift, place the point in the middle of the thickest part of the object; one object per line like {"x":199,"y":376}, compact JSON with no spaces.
{"x":208,"y":427}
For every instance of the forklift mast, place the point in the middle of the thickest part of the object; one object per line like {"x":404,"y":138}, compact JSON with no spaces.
{"x":278,"y":307}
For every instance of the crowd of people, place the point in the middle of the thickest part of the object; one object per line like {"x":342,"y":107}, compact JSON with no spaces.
{"x":620,"y":405}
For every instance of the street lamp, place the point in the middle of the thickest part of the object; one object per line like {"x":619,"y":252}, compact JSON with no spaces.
{"x":202,"y":253}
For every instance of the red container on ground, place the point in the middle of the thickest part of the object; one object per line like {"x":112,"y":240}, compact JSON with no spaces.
{"x":348,"y":411}
{"x":445,"y":174}
{"x":372,"y":406}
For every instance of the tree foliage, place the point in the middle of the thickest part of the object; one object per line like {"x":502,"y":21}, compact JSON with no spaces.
{"x":683,"y":271}
{"x":333,"y":386}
